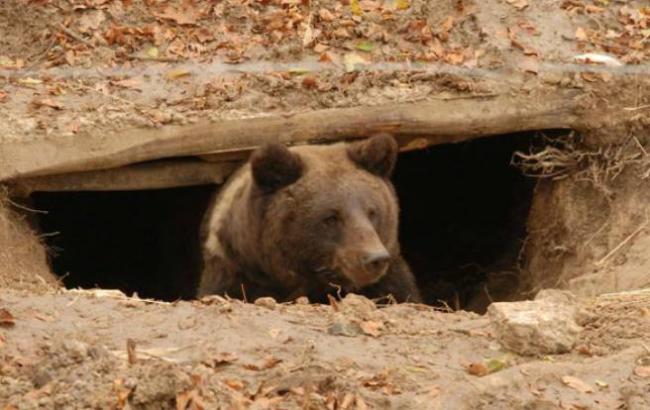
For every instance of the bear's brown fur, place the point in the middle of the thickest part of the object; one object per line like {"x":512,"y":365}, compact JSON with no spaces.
{"x":308,"y":221}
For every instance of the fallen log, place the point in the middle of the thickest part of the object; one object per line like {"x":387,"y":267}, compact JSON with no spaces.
{"x":415,"y":125}
{"x":157,"y":175}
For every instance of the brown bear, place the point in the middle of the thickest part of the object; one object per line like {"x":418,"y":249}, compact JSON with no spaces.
{"x":308,"y":221}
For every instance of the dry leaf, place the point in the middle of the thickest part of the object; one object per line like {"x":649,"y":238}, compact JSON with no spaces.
{"x":355,"y":8}
{"x":91,"y":21}
{"x":581,"y":34}
{"x":29,"y":81}
{"x":3,"y":96}
{"x":128,"y":83}
{"x":268,"y":363}
{"x":577,"y":384}
{"x":477,"y":369}
{"x":176,"y":74}
{"x":6,"y":318}
{"x":186,"y":17}
{"x":352,"y":60}
{"x":518,"y":4}
{"x":326,"y":15}
{"x":371,"y":328}
{"x":222,"y":359}
{"x":642,"y":371}
{"x":234,"y":384}
{"x":402,"y":4}
{"x":48,"y":102}
{"x":529,"y":65}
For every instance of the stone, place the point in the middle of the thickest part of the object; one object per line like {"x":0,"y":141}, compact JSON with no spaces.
{"x":538,"y":327}
{"x":266,"y":302}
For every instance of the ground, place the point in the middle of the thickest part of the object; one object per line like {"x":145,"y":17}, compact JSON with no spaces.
{"x":83,"y":349}
{"x":79,"y":73}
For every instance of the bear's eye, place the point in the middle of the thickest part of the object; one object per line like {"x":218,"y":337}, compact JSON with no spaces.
{"x":332,"y":218}
{"x":372,"y":214}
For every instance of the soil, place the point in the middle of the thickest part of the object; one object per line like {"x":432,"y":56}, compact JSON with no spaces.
{"x":73,"y":71}
{"x":71,"y":350}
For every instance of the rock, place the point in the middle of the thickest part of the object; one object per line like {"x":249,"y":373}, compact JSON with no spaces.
{"x":357,"y":305}
{"x":342,"y":326}
{"x":302,"y":300}
{"x":544,"y":326}
{"x":266,"y":302}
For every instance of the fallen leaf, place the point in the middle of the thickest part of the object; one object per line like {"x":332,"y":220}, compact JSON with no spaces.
{"x":3,"y":96}
{"x":371,"y":328}
{"x":29,"y":81}
{"x":642,"y":371}
{"x":176,"y":74}
{"x":234,"y":384}
{"x":325,"y":15}
{"x":6,"y":318}
{"x":518,"y":4}
{"x":6,"y":62}
{"x":477,"y":369}
{"x":581,"y":34}
{"x":352,"y":60}
{"x":128,"y":83}
{"x":355,"y":8}
{"x":402,"y":4}
{"x":309,"y":82}
{"x":152,"y":52}
{"x":365,"y":46}
{"x":268,"y":363}
{"x":91,"y":21}
{"x":529,"y":65}
{"x":222,"y":359}
{"x":48,"y":102}
{"x":602,"y":384}
{"x":577,"y":384}
{"x":186,"y":17}
{"x":495,"y":365}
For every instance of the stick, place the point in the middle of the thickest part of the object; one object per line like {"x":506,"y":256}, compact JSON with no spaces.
{"x":620,"y":245}
{"x":75,"y":36}
{"x":416,"y":125}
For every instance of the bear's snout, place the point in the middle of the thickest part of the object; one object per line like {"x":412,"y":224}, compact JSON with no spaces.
{"x":375,"y":262}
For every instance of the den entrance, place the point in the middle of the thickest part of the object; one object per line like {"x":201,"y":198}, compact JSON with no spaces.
{"x":463,"y":221}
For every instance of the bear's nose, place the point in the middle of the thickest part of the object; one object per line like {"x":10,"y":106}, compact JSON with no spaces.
{"x":376,"y":262}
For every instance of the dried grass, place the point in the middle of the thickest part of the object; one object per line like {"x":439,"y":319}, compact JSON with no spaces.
{"x":23,"y":260}
{"x":559,"y":159}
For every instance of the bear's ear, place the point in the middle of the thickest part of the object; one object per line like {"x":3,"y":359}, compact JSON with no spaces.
{"x":275,"y":167}
{"x":376,"y":154}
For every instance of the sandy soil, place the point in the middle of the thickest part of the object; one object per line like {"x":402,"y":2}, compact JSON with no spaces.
{"x":84,"y":350}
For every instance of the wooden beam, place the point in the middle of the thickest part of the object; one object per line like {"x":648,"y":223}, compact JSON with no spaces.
{"x":428,"y":123}
{"x":156,"y":175}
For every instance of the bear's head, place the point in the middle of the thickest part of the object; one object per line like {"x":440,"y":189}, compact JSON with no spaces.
{"x":326,"y":214}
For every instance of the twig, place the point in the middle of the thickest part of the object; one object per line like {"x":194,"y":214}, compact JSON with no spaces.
{"x":623,"y":242}
{"x":158,"y":59}
{"x":640,"y":107}
{"x":243,"y":293}
{"x":75,"y":36}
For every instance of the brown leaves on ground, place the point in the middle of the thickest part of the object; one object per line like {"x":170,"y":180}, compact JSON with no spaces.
{"x":577,"y":384}
{"x":47,"y":102}
{"x":6,"y":318}
{"x":626,"y":35}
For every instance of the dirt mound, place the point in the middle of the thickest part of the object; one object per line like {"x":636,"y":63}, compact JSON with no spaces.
{"x":100,"y":349}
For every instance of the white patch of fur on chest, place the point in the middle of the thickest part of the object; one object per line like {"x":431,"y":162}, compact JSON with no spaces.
{"x":220,"y":211}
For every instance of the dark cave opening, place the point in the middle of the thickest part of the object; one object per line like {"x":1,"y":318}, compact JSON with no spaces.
{"x":463,"y":219}
{"x":136,"y":241}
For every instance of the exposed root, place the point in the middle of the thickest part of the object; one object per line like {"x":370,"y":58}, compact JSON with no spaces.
{"x":566,"y":157}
